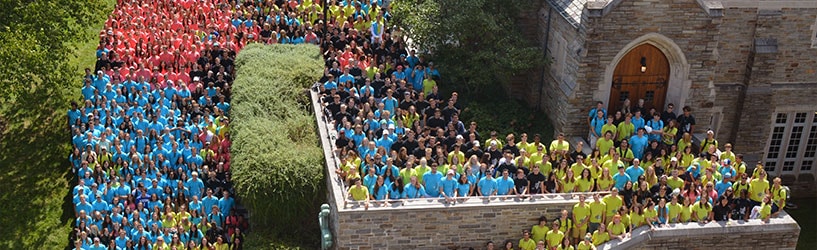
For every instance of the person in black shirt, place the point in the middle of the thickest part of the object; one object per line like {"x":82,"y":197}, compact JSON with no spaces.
{"x":722,"y":210}
{"x":506,"y":164}
{"x":536,"y":181}
{"x":474,"y":150}
{"x":521,"y":184}
{"x":741,"y":206}
{"x":436,"y":121}
{"x":668,"y":114}
{"x":686,"y":123}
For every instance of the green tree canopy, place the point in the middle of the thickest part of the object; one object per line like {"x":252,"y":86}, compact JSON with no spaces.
{"x":475,"y":43}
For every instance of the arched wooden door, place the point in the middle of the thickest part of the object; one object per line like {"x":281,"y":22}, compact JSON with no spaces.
{"x":641,"y":74}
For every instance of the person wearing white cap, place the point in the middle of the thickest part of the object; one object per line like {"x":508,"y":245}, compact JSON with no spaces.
{"x":709,"y":141}
{"x":448,"y":185}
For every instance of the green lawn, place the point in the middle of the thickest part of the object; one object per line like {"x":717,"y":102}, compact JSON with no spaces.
{"x":36,"y":211}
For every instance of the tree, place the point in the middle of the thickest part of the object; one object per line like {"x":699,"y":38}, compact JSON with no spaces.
{"x":476,"y":43}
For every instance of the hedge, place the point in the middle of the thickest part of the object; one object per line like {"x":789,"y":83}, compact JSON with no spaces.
{"x":277,"y":159}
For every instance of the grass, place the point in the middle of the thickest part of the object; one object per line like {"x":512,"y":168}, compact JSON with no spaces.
{"x":807,"y":219}
{"x":36,"y":212}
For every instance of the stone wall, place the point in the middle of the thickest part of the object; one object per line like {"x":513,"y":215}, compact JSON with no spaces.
{"x":779,"y":233}
{"x":439,"y":227}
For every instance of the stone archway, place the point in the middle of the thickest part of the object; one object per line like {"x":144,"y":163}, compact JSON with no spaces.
{"x":678,"y":82}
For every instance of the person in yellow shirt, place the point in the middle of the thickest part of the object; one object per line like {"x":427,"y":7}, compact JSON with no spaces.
{"x":587,"y":243}
{"x":584,"y":183}
{"x":578,"y":166}
{"x":617,"y":230}
{"x":554,"y":237}
{"x":560,"y":146}
{"x":581,"y":218}
{"x":537,"y":154}
{"x":609,"y":127}
{"x":606,"y":143}
{"x":536,"y":144}
{"x":613,"y":202}
{"x":566,"y":245}
{"x":493,"y":139}
{"x":597,"y":213}
{"x":359,"y":193}
{"x":778,"y":197}
{"x":524,"y":144}
{"x":674,"y":210}
{"x":625,"y":129}
{"x":160,"y":243}
{"x":539,"y":231}
{"x":758,"y":188}
{"x":526,"y":243}
{"x":763,"y":211}
{"x":675,"y":182}
{"x":601,"y":236}
{"x":702,"y":211}
{"x":625,"y":152}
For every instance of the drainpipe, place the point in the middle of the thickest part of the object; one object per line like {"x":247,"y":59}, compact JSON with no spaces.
{"x":545,"y":49}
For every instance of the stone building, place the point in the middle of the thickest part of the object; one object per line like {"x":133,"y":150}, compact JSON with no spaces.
{"x":747,"y":68}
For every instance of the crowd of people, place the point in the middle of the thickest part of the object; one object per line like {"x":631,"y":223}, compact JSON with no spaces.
{"x":151,"y":140}
{"x":399,"y":138}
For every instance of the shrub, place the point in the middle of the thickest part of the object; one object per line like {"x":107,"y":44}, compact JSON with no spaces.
{"x":278,"y":165}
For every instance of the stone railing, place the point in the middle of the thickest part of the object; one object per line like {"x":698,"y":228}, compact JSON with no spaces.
{"x":433,"y":223}
{"x":779,"y":233}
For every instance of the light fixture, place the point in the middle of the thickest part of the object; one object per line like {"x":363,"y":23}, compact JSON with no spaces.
{"x":643,"y":64}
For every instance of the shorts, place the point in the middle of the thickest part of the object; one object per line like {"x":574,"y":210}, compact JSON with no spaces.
{"x":579,"y":232}
{"x":592,"y":227}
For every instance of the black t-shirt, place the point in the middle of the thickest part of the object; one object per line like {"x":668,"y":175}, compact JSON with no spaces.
{"x":683,"y":121}
{"x":520,"y":184}
{"x":535,"y":181}
{"x":721,"y":212}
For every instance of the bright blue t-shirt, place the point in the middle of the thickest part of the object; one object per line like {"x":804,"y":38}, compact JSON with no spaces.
{"x":634,"y":172}
{"x":449,"y":185}
{"x":621,"y":180}
{"x":432,"y":183}
{"x":487,"y":186}
{"x":638,"y":144}
{"x":504,"y":186}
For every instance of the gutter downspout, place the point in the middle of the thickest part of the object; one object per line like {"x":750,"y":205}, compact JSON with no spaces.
{"x":545,"y":53}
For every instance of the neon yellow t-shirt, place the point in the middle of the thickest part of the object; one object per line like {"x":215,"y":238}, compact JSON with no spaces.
{"x":675,"y":182}
{"x":604,"y":145}
{"x":537,"y":233}
{"x":554,"y":238}
{"x":527,"y":244}
{"x":596,"y":211}
{"x":604,"y":183}
{"x":779,"y":195}
{"x":556,"y":146}
{"x":585,"y":185}
{"x":584,"y":246}
{"x":567,"y":187}
{"x":765,"y":210}
{"x":600,"y":238}
{"x":674,"y":211}
{"x":625,"y":130}
{"x":359,"y":193}
{"x":581,"y":213}
{"x":617,"y":229}
{"x":637,"y":220}
{"x":577,"y":169}
{"x":757,"y":189}
{"x":701,"y":212}
{"x":609,"y":127}
{"x":686,"y":213}
{"x":613,"y":204}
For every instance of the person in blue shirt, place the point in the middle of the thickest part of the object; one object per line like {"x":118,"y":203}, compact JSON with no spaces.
{"x":330,"y":84}
{"x":638,"y":121}
{"x":208,"y":201}
{"x":412,"y":59}
{"x":723,"y":185}
{"x":596,"y":124}
{"x":621,"y":178}
{"x":448,"y":186}
{"x":379,"y":190}
{"x":397,"y":190}
{"x":504,"y":184}
{"x":414,"y":190}
{"x":464,"y":184}
{"x":399,"y":74}
{"x":694,"y":169}
{"x":635,"y":170}
{"x":657,"y":126}
{"x":638,"y":143}
{"x":432,"y":180}
{"x":487,"y":186}
{"x":226,"y":202}
{"x":195,"y":186}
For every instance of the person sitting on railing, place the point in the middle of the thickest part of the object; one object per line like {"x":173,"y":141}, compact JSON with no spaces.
{"x":359,"y":193}
{"x":601,"y":236}
{"x":764,"y":211}
{"x":617,"y":229}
